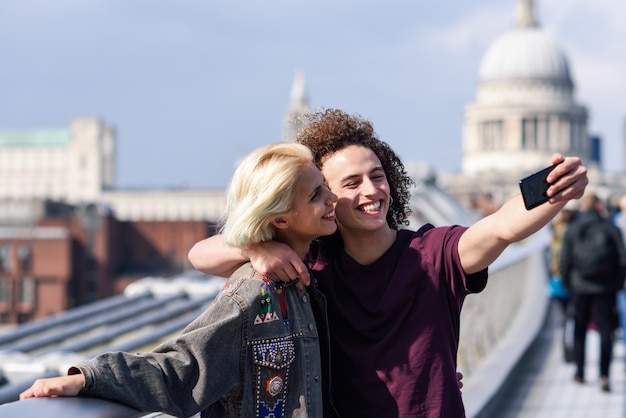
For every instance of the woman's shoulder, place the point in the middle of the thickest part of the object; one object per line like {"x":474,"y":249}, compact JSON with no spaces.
{"x":244,"y":279}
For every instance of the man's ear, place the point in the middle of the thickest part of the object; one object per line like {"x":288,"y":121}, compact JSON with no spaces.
{"x":280,"y":222}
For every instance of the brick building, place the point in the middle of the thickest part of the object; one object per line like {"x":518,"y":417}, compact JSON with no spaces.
{"x":54,"y":256}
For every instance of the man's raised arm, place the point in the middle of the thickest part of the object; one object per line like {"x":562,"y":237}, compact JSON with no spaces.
{"x":484,"y":241}
{"x":273,"y":259}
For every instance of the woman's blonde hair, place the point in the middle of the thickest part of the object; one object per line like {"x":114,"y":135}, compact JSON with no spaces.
{"x":262,"y":188}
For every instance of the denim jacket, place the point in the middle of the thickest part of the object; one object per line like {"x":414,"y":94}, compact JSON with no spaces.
{"x":254,"y":352}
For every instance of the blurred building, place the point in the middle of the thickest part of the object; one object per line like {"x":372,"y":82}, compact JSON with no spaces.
{"x":68,"y":237}
{"x":524,"y":111}
{"x":72,"y":164}
{"x":298,"y":106}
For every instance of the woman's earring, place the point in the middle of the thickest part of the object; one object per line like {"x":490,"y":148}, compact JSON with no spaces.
{"x":390,"y":201}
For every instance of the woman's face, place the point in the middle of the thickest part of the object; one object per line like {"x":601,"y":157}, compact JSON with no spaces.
{"x":314,"y":214}
{"x":356,"y":176}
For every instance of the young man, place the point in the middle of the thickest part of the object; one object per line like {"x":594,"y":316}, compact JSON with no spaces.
{"x":394,"y":295}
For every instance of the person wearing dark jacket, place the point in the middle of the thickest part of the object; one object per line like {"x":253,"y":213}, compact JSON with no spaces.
{"x":257,"y":350}
{"x":593,"y":264}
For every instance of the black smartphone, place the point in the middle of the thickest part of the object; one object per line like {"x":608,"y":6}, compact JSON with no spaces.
{"x":534,"y":188}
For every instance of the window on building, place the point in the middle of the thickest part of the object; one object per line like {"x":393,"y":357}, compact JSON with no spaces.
{"x":5,"y":259}
{"x":577,"y":136}
{"x":543,"y":134}
{"x":27,"y":292}
{"x":529,"y":133}
{"x":25,"y":257}
{"x":23,"y":318}
{"x":564,"y":132}
{"x":5,"y":291}
{"x":492,"y":134}
{"x":82,"y":163}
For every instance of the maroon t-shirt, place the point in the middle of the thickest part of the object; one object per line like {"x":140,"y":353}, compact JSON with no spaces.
{"x":394,"y":325}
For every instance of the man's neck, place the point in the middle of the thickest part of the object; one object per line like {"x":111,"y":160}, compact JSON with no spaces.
{"x":366,"y":248}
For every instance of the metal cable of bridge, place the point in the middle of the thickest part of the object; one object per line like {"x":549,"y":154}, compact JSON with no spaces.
{"x":115,"y":315}
{"x":133,"y":324}
{"x":79,"y":313}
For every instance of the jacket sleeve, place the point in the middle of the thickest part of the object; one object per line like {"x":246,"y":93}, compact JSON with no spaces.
{"x":565,"y":262}
{"x":621,"y":251}
{"x":180,"y":376}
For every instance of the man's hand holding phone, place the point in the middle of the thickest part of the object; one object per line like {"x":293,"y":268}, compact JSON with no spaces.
{"x":534,"y":188}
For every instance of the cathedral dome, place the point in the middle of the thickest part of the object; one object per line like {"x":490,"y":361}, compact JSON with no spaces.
{"x":525,"y":53}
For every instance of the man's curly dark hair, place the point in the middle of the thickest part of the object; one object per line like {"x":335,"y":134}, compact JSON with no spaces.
{"x":331,"y":130}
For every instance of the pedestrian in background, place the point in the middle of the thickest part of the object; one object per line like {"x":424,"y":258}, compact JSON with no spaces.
{"x":558,"y":227}
{"x":620,"y":221}
{"x":593,"y":263}
{"x":555,"y":289}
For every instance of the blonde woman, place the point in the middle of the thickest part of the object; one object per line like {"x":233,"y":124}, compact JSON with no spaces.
{"x":255,"y":352}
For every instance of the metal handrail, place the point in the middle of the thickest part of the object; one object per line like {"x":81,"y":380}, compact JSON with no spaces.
{"x":83,"y":407}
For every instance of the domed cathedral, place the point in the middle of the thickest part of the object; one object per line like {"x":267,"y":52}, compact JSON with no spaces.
{"x":524,"y":111}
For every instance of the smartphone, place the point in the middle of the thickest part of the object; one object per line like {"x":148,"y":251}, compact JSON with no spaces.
{"x":535,"y":187}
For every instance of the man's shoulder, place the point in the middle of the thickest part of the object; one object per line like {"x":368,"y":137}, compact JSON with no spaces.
{"x":429,"y":233}
{"x":430,"y":228}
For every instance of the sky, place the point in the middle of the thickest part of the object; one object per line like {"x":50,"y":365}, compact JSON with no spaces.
{"x":193,"y":85}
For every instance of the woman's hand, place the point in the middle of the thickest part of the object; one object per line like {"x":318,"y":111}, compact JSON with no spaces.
{"x":55,"y":386}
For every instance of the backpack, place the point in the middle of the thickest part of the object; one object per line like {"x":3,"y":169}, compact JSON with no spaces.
{"x":595,"y":250}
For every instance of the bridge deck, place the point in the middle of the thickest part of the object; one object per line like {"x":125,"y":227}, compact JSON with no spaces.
{"x":541,"y":386}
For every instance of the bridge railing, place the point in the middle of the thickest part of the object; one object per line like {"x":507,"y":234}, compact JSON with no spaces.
{"x":72,"y":407}
{"x":497,"y":326}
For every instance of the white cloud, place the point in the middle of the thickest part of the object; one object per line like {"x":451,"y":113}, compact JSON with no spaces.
{"x":473,"y":31}
{"x":599,"y":76}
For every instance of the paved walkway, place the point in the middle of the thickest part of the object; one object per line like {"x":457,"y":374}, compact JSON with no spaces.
{"x":542,"y":385}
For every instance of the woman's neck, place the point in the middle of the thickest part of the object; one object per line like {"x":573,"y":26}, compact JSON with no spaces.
{"x":301,"y":248}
